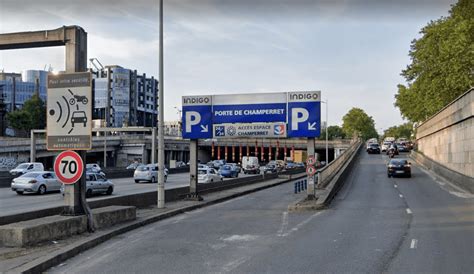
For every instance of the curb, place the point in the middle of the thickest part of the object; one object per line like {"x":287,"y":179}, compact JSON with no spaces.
{"x":55,"y":258}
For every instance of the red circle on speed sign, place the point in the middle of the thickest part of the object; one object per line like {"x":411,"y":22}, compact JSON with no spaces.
{"x":310,"y":170}
{"x":68,"y":167}
{"x":311,"y":161}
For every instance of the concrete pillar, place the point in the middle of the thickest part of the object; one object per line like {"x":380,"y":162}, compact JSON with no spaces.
{"x":153,"y":146}
{"x":311,"y":151}
{"x":32,"y":147}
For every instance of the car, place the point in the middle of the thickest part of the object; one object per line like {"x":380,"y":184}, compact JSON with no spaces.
{"x":280,"y":164}
{"x":133,"y":166}
{"x":270,"y":168}
{"x":180,"y":164}
{"x":402,"y":147}
{"x":229,"y":171}
{"x":37,"y":181}
{"x":398,"y":167}
{"x":250,"y":164}
{"x":148,"y":173}
{"x":385,"y":146}
{"x":236,"y":166}
{"x":208,"y":175}
{"x":251,"y":169}
{"x":26,"y":167}
{"x":96,"y":184}
{"x":373,"y":148}
{"x":216,"y":164}
{"x":300,"y":165}
{"x":290,"y":165}
{"x":94,"y":166}
{"x":79,"y":117}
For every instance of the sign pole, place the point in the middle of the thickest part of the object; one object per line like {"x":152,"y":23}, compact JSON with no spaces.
{"x":193,"y":171}
{"x":310,"y":178}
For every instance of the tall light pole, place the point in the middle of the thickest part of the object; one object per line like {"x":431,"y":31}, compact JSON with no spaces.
{"x":161,"y":137}
{"x":327,"y":126}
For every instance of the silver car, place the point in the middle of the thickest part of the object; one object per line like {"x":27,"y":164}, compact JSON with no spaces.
{"x":37,"y":181}
{"x":148,"y":173}
{"x":96,"y":183}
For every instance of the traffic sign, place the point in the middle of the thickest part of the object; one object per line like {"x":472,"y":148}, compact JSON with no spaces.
{"x":197,"y":114}
{"x":69,"y":111}
{"x":296,"y":113}
{"x":249,"y":108}
{"x":310,"y":170}
{"x":257,"y":130}
{"x":304,"y":114}
{"x":68,"y":167}
{"x":311,"y":160}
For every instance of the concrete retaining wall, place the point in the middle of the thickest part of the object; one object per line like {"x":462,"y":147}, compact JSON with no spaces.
{"x":447,"y":138}
{"x":35,"y":231}
{"x":462,"y":181}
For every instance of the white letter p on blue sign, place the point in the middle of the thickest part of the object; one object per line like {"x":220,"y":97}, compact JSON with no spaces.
{"x":192,"y":118}
{"x":299,"y":115}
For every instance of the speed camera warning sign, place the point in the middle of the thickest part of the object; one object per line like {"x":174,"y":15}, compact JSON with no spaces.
{"x":68,"y":167}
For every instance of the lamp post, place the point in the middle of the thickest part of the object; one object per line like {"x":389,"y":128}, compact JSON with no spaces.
{"x":327,"y":126}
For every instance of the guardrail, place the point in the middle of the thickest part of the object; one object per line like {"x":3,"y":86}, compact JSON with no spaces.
{"x":326,"y":174}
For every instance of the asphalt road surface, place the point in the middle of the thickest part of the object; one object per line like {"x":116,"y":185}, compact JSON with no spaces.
{"x":376,"y":224}
{"x":12,"y":203}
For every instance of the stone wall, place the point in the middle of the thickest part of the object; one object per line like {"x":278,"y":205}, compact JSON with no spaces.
{"x":448,"y":137}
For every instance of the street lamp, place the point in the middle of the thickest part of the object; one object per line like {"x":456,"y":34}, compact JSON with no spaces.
{"x":161,"y":138}
{"x":327,"y":126}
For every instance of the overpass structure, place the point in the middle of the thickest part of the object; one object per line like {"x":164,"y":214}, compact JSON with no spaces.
{"x":121,"y":148}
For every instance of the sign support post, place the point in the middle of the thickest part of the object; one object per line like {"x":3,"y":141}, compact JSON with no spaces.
{"x":193,"y":171}
{"x":311,"y":188}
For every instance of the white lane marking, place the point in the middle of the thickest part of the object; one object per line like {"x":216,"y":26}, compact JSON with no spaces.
{"x":409,"y":211}
{"x":284,"y":223}
{"x":234,"y":264}
{"x":300,"y":225}
{"x":401,"y":196}
{"x":414,"y":243}
{"x":240,"y":238}
{"x":395,"y":186}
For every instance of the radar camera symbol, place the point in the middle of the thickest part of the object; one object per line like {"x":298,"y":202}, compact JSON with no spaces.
{"x":65,"y":110}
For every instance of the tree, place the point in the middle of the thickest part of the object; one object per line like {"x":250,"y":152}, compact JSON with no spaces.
{"x":442,"y":66}
{"x":400,"y":131}
{"x":356,"y":121}
{"x":334,"y":132}
{"x":31,"y":116}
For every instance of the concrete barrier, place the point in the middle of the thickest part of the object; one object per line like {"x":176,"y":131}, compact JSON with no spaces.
{"x":56,"y":227}
{"x":141,"y":200}
{"x":460,"y":180}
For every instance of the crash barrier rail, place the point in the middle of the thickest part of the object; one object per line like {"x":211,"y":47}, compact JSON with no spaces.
{"x":326,"y":174}
{"x":301,"y":185}
{"x":144,"y":199}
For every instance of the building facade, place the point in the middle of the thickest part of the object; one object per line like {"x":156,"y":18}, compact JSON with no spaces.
{"x":122,"y":97}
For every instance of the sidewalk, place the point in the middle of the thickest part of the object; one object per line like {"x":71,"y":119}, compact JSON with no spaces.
{"x":40,"y":258}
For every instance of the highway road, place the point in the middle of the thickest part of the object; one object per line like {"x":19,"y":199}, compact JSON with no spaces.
{"x":375,"y":225}
{"x":12,"y":203}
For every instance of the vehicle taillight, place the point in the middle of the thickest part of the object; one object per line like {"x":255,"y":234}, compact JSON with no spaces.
{"x":33,"y":182}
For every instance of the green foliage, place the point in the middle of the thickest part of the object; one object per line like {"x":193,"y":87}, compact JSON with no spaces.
{"x":442,"y":66}
{"x":334,"y":132}
{"x":356,"y":121}
{"x":400,"y":131}
{"x":31,"y":116}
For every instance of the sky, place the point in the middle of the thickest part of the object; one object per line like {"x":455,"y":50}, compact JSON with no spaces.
{"x":351,"y":50}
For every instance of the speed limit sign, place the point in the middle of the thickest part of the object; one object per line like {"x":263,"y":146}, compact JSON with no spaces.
{"x":68,"y":167}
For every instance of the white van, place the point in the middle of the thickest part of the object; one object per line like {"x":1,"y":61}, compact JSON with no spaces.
{"x":250,"y":164}
{"x":26,"y":167}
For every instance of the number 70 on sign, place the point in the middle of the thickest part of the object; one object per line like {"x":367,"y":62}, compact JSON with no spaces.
{"x":68,"y":167}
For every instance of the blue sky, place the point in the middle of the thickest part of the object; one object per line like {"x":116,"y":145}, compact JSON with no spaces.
{"x":353,"y":51}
